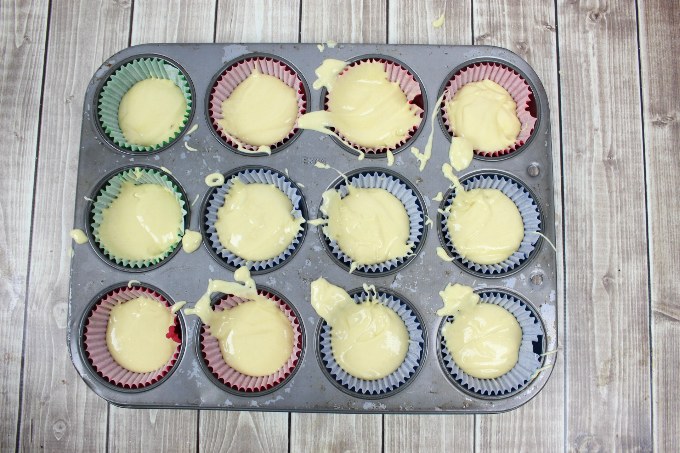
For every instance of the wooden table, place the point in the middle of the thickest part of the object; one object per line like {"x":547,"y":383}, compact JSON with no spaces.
{"x":611,"y":73}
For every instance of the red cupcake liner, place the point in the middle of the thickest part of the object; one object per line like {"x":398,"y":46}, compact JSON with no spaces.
{"x":512,"y":82}
{"x":212,"y":354}
{"x":237,"y":73}
{"x":396,"y":73}
{"x":97,"y":351}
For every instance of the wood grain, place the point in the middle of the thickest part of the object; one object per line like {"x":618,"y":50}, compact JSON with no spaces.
{"x":147,"y":430}
{"x":531,"y":33}
{"x":59,"y":412}
{"x":258,"y":21}
{"x":410,"y":22}
{"x":335,"y":433}
{"x":607,"y":313}
{"x":243,"y":431}
{"x":21,"y":70}
{"x":356,"y":21}
{"x":659,"y":35}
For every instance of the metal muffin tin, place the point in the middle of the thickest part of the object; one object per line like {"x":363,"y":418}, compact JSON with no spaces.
{"x":185,"y":276}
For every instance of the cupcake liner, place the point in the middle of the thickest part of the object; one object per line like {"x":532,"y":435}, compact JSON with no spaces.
{"x":234,"y":380}
{"x":216,"y":201}
{"x":97,"y":351}
{"x":110,"y":192}
{"x":121,"y":81}
{"x":398,"y":74}
{"x":527,"y":363}
{"x":514,"y":84}
{"x":396,"y":379}
{"x":237,"y":73}
{"x":528,"y":209}
{"x":414,"y":208}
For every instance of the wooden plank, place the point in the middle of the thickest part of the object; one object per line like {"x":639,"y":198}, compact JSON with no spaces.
{"x":24,"y":26}
{"x":59,"y":412}
{"x":257,"y":21}
{"x":410,"y":22}
{"x":607,"y":338}
{"x":353,"y":22}
{"x":167,"y":430}
{"x":531,"y":33}
{"x":659,"y":35}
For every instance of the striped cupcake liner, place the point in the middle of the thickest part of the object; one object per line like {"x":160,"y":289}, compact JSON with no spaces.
{"x":235,"y":74}
{"x":405,"y":192}
{"x":528,"y":209}
{"x":395,"y":381}
{"x":109,"y":193}
{"x":216,"y":199}
{"x":527,"y":364}
{"x":409,"y":84}
{"x":121,"y":81}
{"x":512,"y":82}
{"x":234,"y":381}
{"x":96,"y":350}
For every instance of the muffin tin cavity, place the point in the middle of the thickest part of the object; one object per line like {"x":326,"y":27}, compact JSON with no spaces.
{"x":413,"y":203}
{"x":233,"y":74}
{"x":531,"y":350}
{"x":234,"y":382}
{"x":108,"y":189}
{"x":93,"y":345}
{"x":215,"y":199}
{"x":528,"y":208}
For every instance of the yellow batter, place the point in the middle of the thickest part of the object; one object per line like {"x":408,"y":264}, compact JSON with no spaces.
{"x":255,"y":222}
{"x":261,"y":111}
{"x":256,"y":338}
{"x":142,"y":223}
{"x":136,"y":335}
{"x":363,"y":105}
{"x":485,"y":225}
{"x":369,"y":340}
{"x":370,"y":225}
{"x":191,"y":241}
{"x":484,"y":339}
{"x":151,"y":112}
{"x":485,"y":114}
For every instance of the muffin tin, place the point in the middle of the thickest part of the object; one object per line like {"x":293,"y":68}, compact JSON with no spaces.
{"x":430,"y":388}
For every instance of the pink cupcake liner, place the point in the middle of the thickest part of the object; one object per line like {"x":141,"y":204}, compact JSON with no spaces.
{"x":97,"y":351}
{"x":237,"y":73}
{"x":210,"y":348}
{"x":513,"y":83}
{"x":409,"y":85}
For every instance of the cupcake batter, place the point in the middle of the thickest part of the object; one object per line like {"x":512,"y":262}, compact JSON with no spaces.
{"x":255,"y":222}
{"x":484,"y":114}
{"x":485,"y":225}
{"x":191,"y":241}
{"x":255,"y":337}
{"x":151,"y":112}
{"x":484,"y":339}
{"x":78,"y":236}
{"x":261,"y":111}
{"x":370,"y":225}
{"x":136,"y":335}
{"x":143,"y":223}
{"x":369,"y":340}
{"x":363,"y":105}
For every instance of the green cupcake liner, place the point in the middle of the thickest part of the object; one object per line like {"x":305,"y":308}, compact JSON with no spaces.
{"x":121,"y":81}
{"x":111,"y":191}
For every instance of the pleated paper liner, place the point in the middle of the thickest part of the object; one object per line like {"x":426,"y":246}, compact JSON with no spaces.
{"x":234,"y":381}
{"x":405,"y":192}
{"x":393,"y":382}
{"x":121,"y":81}
{"x":408,"y":82}
{"x":512,"y":82}
{"x":216,"y":198}
{"x":237,"y":72}
{"x":529,"y":359}
{"x":106,"y":195}
{"x":528,"y":208}
{"x":97,"y":353}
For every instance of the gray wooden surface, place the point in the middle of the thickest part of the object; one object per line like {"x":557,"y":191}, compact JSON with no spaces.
{"x":611,"y":71}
